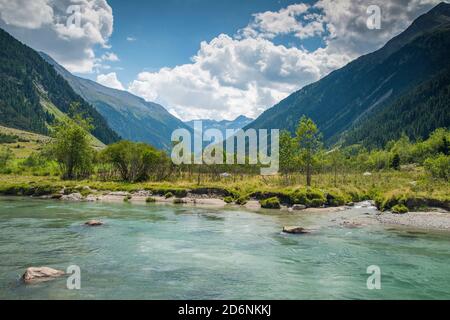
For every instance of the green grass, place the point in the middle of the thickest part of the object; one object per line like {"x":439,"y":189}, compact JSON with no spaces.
{"x":400,"y":208}
{"x":270,"y":203}
{"x":26,"y":144}
{"x":412,"y":188}
{"x":59,"y":115}
{"x":228,"y":199}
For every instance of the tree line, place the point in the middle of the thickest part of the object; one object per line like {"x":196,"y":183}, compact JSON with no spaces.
{"x":303,"y":153}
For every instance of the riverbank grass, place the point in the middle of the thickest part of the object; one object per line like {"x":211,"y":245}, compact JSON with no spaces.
{"x":388,"y":189}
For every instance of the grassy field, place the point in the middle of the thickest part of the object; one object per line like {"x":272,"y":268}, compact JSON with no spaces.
{"x":27,"y":143}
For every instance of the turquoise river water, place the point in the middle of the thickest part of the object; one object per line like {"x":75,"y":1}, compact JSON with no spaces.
{"x":151,"y":251}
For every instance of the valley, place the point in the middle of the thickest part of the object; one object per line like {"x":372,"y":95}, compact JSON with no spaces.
{"x":111,"y":176}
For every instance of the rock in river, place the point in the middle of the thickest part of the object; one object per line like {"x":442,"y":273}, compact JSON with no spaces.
{"x":94,"y":223}
{"x":72,"y":197}
{"x":350,"y":224}
{"x":34,"y":274}
{"x":295,"y":230}
{"x":297,"y":207}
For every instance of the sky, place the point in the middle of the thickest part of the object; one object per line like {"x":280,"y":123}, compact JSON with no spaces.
{"x":214,"y":59}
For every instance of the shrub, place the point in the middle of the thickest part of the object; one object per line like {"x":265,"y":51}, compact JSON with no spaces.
{"x":44,"y":190}
{"x":309,"y":197}
{"x":180,"y":193}
{"x":32,"y":161}
{"x":438,"y":167}
{"x":316,"y":203}
{"x":400,"y":208}
{"x":5,"y":155}
{"x":86,"y":191}
{"x":135,"y":162}
{"x":242,"y":200}
{"x":271,"y":203}
{"x":168,"y":195}
{"x":228,"y":199}
{"x":299,"y":197}
{"x":335,"y":199}
{"x":389,"y":202}
{"x":6,"y":138}
{"x":150,"y":200}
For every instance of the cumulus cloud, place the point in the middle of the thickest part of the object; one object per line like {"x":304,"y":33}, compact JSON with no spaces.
{"x":346,"y":21}
{"x":67,"y":30}
{"x":110,"y":80}
{"x":247,"y":73}
{"x":270,"y":24}
{"x":110,"y":56}
{"x":230,"y":77}
{"x":26,"y":14}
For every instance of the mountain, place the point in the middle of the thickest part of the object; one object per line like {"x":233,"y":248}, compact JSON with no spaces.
{"x":236,"y":124}
{"x":403,"y":87}
{"x":130,"y":116}
{"x":33,"y":95}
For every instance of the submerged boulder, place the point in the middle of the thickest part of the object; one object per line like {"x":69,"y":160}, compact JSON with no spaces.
{"x":94,"y":223}
{"x":351,"y":224}
{"x":38,"y":274}
{"x":295,"y":230}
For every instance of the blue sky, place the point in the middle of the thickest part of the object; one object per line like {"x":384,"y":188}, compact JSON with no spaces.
{"x":215,"y":59}
{"x":168,"y":33}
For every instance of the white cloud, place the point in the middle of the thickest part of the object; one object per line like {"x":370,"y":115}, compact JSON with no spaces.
{"x":26,"y":14}
{"x":346,"y":20}
{"x":131,"y":39}
{"x":110,"y":80}
{"x":110,"y":56}
{"x":230,"y":77}
{"x":248,"y":73}
{"x":269,"y":24}
{"x":42,"y":24}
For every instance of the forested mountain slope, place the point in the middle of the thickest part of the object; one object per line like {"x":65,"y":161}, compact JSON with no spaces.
{"x":132,"y":117}
{"x":353,"y":103}
{"x":33,"y":95}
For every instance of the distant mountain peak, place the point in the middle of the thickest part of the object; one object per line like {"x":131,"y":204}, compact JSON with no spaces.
{"x":243,"y":118}
{"x":223,"y":125}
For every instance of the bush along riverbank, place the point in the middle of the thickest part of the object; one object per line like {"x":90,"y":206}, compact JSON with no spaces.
{"x":395,"y":200}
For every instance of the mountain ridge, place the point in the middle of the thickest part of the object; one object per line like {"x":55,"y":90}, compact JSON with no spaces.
{"x":343,"y":99}
{"x":33,"y":95}
{"x":222,"y":125}
{"x":132,"y":117}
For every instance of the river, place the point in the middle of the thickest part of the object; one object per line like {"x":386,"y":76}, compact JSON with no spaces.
{"x":154,"y":251}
